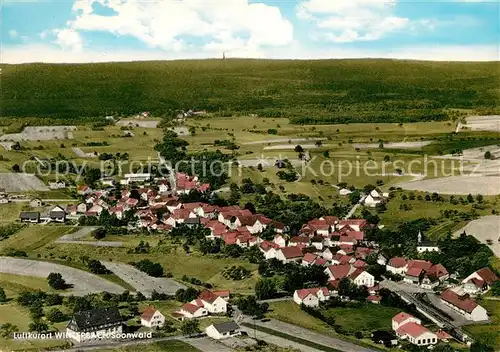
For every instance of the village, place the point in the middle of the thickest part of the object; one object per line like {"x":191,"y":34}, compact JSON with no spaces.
{"x":340,"y":247}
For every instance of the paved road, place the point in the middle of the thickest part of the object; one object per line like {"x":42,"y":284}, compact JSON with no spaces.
{"x":82,"y":281}
{"x":73,"y":238}
{"x":206,"y":344}
{"x":276,"y":340}
{"x":355,"y":207}
{"x":310,"y":335}
{"x":142,"y":282}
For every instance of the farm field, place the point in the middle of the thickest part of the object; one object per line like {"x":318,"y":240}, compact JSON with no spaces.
{"x":15,"y":284}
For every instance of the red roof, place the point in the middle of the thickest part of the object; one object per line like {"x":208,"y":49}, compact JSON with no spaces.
{"x":303,"y":293}
{"x":299,"y":239}
{"x":412,"y":329}
{"x":443,"y":335}
{"x":437,"y":270}
{"x":374,"y":298}
{"x":414,"y":272}
{"x":291,"y":252}
{"x":339,"y":271}
{"x":191,"y":308}
{"x":358,"y":235}
{"x":267,"y":245}
{"x":487,"y":275}
{"x":397,"y":262}
{"x":207,"y":296}
{"x":310,"y":257}
{"x":359,"y":264}
{"x":332,"y":220}
{"x":181,"y":214}
{"x":421,"y":264}
{"x":401,"y":317}
{"x":358,"y":222}
{"x":148,"y":313}
{"x":463,"y":302}
{"x":356,"y":273}
{"x":222,"y":293}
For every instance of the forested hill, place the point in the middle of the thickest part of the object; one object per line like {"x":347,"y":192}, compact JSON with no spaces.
{"x":307,"y":91}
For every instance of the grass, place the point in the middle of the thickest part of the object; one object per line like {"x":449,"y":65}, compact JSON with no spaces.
{"x":487,"y":333}
{"x":169,"y":345}
{"x":15,"y":284}
{"x":10,"y":212}
{"x":367,"y":318}
{"x":34,"y":237}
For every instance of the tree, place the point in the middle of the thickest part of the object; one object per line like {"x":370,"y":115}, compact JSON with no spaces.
{"x":96,"y":267}
{"x":259,"y":167}
{"x":480,"y":347}
{"x":470,"y":198}
{"x":56,"y":316}
{"x":298,"y":149}
{"x":7,"y":329}
{"x":265,"y":288}
{"x":16,"y":168}
{"x":190,"y":327}
{"x":249,"y":306}
{"x":488,"y":155}
{"x":495,"y":288}
{"x":326,"y":154}
{"x":56,"y":281}
{"x":38,"y":326}
{"x":3,"y":296}
{"x":92,"y":176}
{"x":99,"y":233}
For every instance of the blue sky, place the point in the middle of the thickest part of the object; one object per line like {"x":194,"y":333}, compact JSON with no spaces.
{"x":122,"y":30}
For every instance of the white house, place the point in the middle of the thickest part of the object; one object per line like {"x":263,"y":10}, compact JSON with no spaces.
{"x":280,"y":240}
{"x":192,"y":311}
{"x":464,"y":305}
{"x":268,"y":249}
{"x":424,"y":245}
{"x":479,"y":281}
{"x":360,"y":277}
{"x":128,"y":178}
{"x":311,"y":297}
{"x":95,"y":324}
{"x":152,"y":318}
{"x":397,"y":265}
{"x":211,"y":302}
{"x":373,"y":199}
{"x":289,"y":254}
{"x":223,"y":330}
{"x":409,"y":328}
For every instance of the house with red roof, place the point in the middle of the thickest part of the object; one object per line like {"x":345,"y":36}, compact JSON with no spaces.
{"x":152,"y":318}
{"x":464,"y":305}
{"x":280,"y":240}
{"x":83,"y":190}
{"x":269,"y":249}
{"x":410,"y":328}
{"x":358,"y":264}
{"x":309,"y":259}
{"x":295,"y":240}
{"x":327,"y":254}
{"x":289,"y":254}
{"x":338,"y":272}
{"x":191,"y":311}
{"x":355,"y":224}
{"x":341,"y":259}
{"x":311,"y":297}
{"x":479,"y":281}
{"x":361,"y":277}
{"x":397,"y":265}
{"x":212,"y":302}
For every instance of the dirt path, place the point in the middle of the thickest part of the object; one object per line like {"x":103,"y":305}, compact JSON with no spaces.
{"x":82,"y":281}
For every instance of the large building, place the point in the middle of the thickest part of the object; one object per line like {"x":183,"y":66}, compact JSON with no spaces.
{"x":409,"y":328}
{"x":464,"y":305}
{"x":95,"y":324}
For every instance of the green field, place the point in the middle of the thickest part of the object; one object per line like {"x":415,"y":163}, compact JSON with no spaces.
{"x":488,"y":333}
{"x":15,"y":284}
{"x":328,"y":90}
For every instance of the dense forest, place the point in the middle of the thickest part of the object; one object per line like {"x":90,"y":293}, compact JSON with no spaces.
{"x":321,"y":91}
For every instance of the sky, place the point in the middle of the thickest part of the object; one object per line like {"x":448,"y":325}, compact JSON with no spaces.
{"x":128,"y":30}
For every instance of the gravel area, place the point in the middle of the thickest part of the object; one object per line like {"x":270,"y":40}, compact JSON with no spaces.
{"x":284,"y":140}
{"x":20,"y":182}
{"x":40,"y":133}
{"x":264,"y":162}
{"x":142,"y":282}
{"x":81,"y":232}
{"x":139,"y":123}
{"x":82,"y":281}
{"x":483,"y":123}
{"x":484,"y":228}
{"x":459,"y":185}
{"x":81,"y":154}
{"x":396,"y":145}
{"x":292,"y":146}
{"x":7,"y":145}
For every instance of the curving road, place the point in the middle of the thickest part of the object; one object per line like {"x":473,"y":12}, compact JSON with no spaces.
{"x":82,"y":281}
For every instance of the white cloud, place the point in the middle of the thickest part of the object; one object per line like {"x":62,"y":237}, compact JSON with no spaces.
{"x":178,"y":25}
{"x":68,"y":39}
{"x":13,"y":34}
{"x":351,"y":20}
{"x":48,"y":53}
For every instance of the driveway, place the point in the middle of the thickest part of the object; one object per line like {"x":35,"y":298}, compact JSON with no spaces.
{"x":310,"y":335}
{"x":142,"y":282}
{"x":82,"y":281}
